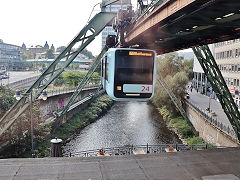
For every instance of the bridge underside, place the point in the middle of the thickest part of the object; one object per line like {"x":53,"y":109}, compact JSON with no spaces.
{"x":187,"y":23}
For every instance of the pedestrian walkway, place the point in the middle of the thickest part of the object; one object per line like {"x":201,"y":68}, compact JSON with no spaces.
{"x":197,"y":165}
{"x":202,"y":101}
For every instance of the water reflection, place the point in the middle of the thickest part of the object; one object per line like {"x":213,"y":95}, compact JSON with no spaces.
{"x":126,"y":123}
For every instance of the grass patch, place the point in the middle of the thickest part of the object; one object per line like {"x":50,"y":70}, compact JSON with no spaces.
{"x":194,"y":140}
{"x":181,"y":126}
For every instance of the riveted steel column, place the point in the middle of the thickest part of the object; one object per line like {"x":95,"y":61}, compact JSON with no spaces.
{"x":207,"y":61}
{"x":85,"y":37}
{"x":94,"y":66}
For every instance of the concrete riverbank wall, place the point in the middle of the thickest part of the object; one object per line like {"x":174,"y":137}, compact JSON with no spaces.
{"x":56,"y":103}
{"x":210,"y":129}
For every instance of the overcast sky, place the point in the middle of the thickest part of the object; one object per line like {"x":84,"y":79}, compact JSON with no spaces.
{"x":36,"y":21}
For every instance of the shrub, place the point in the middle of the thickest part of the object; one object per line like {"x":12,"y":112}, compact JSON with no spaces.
{"x":7,"y":99}
{"x":185,"y":130}
{"x":167,"y":116}
{"x":180,"y":124}
{"x":175,"y":122}
{"x":194,"y":140}
{"x":95,"y":110}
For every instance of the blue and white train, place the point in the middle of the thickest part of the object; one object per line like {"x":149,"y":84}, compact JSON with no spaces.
{"x":129,"y":74}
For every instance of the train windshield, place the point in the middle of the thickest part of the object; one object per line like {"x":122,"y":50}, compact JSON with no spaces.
{"x":134,"y":67}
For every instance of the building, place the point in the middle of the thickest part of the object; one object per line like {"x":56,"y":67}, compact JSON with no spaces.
{"x":200,"y":82}
{"x":108,"y":30}
{"x":227,"y":56}
{"x":10,"y":56}
{"x":81,"y":62}
{"x":53,"y":48}
{"x":36,"y":49}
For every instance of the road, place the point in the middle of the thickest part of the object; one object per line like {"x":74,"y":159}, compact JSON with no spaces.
{"x":202,"y":101}
{"x":17,"y":76}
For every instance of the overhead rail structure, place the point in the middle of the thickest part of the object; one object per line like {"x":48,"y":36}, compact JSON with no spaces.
{"x":172,"y":25}
{"x":94,"y":66}
{"x":164,"y":26}
{"x":85,"y":37}
{"x":179,"y":24}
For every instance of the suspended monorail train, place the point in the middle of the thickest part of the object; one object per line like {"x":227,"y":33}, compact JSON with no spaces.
{"x":129,"y":74}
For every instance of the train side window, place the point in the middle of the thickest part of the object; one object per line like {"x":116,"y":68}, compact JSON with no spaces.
{"x":106,"y":68}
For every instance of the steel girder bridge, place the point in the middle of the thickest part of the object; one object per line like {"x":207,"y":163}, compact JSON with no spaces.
{"x":162,"y":25}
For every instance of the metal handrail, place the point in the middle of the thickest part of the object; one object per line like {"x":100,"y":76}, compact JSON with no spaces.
{"x":213,"y":121}
{"x":23,"y":81}
{"x":145,"y":149}
{"x":68,"y":90}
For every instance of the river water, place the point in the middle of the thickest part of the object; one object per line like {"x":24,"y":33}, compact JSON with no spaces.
{"x":126,"y":123}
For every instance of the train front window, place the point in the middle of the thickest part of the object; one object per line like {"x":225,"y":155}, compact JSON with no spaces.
{"x":134,"y":69}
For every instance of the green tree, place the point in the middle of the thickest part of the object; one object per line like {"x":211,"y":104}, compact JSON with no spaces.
{"x":60,"y":49}
{"x":6,"y":99}
{"x":20,"y":134}
{"x":59,"y":81}
{"x":75,"y":66}
{"x":87,"y":53}
{"x":169,"y":64}
{"x":171,"y":68}
{"x":73,"y":78}
{"x":49,"y":54}
{"x":28,"y":55}
{"x":188,"y":67}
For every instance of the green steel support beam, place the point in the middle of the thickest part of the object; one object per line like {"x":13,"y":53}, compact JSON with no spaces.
{"x":210,"y":68}
{"x":85,"y":37}
{"x":94,"y":66}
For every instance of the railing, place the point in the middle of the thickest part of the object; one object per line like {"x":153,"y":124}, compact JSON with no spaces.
{"x":19,"y":84}
{"x":151,"y":6}
{"x":144,"y":149}
{"x":68,"y":90}
{"x":213,"y":121}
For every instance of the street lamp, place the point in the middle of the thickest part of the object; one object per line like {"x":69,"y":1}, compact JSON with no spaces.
{"x":18,"y":96}
{"x":209,"y":103}
{"x":44,"y":95}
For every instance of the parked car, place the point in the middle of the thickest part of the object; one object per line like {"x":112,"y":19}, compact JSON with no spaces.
{"x":5,"y":76}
